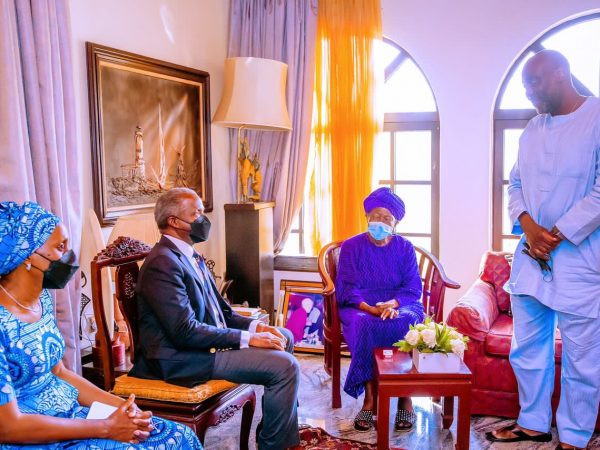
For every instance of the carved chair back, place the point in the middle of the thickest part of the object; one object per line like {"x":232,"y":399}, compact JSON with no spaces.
{"x":328,"y":262}
{"x":435,"y":283}
{"x":124,"y":254}
{"x":333,"y":338}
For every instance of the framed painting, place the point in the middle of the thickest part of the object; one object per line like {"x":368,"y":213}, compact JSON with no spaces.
{"x":150,"y":131}
{"x":301,"y":312}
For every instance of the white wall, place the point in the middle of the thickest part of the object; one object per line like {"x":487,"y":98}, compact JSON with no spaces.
{"x":464,"y":47}
{"x":191,"y":33}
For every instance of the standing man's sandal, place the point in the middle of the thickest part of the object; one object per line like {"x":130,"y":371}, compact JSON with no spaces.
{"x":519,"y":435}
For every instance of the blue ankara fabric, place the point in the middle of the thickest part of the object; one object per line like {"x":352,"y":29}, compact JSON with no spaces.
{"x":23,"y":229}
{"x":28,"y":352}
{"x":371,"y":274}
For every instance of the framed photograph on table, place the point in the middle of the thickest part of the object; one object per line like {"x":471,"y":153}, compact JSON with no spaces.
{"x":150,"y":131}
{"x":301,"y":311}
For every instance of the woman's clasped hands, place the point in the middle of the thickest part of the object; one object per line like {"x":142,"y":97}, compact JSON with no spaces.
{"x":129,"y":424}
{"x":387,"y":310}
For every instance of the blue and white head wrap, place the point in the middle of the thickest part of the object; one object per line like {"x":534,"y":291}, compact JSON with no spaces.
{"x":23,"y":229}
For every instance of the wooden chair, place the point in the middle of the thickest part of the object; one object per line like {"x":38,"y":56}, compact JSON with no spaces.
{"x":200,"y":407}
{"x":435,"y":283}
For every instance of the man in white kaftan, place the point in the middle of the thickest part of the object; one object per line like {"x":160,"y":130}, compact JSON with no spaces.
{"x":554,"y":203}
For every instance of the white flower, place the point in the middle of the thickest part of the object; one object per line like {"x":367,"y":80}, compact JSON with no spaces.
{"x":458,"y":347}
{"x":420,"y":327}
{"x":412,"y":337}
{"x":455,"y":335}
{"x":432,"y":325}
{"x":428,"y":336}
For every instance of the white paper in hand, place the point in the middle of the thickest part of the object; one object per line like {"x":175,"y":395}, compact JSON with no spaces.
{"x":100,"y":410}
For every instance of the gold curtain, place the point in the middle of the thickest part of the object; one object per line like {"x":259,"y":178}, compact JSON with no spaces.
{"x":345,"y":122}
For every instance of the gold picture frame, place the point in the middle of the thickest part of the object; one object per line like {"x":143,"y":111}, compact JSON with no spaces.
{"x":301,"y":311}
{"x":149,"y":128}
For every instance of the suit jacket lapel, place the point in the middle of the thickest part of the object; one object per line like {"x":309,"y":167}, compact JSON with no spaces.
{"x":188,"y":265}
{"x":186,"y":262}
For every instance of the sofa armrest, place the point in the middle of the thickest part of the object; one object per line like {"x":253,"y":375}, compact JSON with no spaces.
{"x":474,"y":314}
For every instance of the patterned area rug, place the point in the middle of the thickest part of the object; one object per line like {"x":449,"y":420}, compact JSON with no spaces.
{"x":312,"y":438}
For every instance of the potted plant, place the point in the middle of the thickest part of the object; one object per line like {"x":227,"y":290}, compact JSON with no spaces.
{"x":436,"y":347}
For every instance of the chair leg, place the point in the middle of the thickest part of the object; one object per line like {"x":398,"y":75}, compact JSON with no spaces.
{"x":447,"y":412}
{"x":247,"y":415}
{"x":327,"y":357}
{"x":201,"y":433}
{"x":336,"y":398}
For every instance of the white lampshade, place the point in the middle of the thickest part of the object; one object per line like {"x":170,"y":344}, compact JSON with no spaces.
{"x":137,"y":226}
{"x":254,"y":95}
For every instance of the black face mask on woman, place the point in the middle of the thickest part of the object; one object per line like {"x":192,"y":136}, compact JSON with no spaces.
{"x":200,"y":229}
{"x":60,"y":271}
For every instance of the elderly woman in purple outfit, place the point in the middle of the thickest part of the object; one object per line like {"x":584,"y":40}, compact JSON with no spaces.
{"x":378,"y":289}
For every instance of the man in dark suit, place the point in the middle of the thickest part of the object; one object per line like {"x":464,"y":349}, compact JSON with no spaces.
{"x":189,"y":334}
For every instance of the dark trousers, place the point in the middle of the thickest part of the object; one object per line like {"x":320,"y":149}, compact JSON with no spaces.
{"x":279,"y":373}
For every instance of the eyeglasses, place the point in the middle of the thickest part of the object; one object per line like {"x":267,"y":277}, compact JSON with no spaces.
{"x":544,"y":265}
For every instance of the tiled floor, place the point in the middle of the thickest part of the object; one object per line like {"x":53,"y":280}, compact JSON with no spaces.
{"x":315,"y":398}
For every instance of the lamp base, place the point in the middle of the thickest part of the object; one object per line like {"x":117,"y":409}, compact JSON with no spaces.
{"x":248,"y":172}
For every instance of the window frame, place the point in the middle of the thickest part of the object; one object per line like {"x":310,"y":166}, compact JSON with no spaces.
{"x":404,"y":121}
{"x":500,"y":125}
{"x":421,"y":121}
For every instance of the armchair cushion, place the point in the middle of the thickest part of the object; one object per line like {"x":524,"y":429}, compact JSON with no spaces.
{"x":498,"y":340}
{"x":475,"y":312}
{"x":495,"y":270}
{"x":161,"y":390}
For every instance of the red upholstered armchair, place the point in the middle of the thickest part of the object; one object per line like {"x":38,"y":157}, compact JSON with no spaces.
{"x":483,"y":314}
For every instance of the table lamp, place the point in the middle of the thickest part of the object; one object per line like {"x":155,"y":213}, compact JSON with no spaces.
{"x":141,"y":226}
{"x":253,"y":98}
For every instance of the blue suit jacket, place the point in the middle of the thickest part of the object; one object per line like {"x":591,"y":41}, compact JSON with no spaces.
{"x":178,"y":338}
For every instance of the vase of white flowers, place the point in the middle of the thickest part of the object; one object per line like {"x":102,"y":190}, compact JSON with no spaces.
{"x":436,"y":347}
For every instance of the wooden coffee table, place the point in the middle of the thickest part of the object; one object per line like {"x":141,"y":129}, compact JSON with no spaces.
{"x":396,"y":377}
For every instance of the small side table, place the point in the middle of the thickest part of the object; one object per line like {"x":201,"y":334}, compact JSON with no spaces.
{"x":396,"y":377}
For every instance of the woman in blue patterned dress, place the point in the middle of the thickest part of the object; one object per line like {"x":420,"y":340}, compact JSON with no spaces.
{"x":42,"y":403}
{"x":378,"y":289}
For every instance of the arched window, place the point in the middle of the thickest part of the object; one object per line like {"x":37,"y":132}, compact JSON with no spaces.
{"x":407,"y":155}
{"x":579,"y":41}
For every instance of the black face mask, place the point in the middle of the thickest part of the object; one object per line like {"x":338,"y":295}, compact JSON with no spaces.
{"x":200,"y":229}
{"x":60,"y":271}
